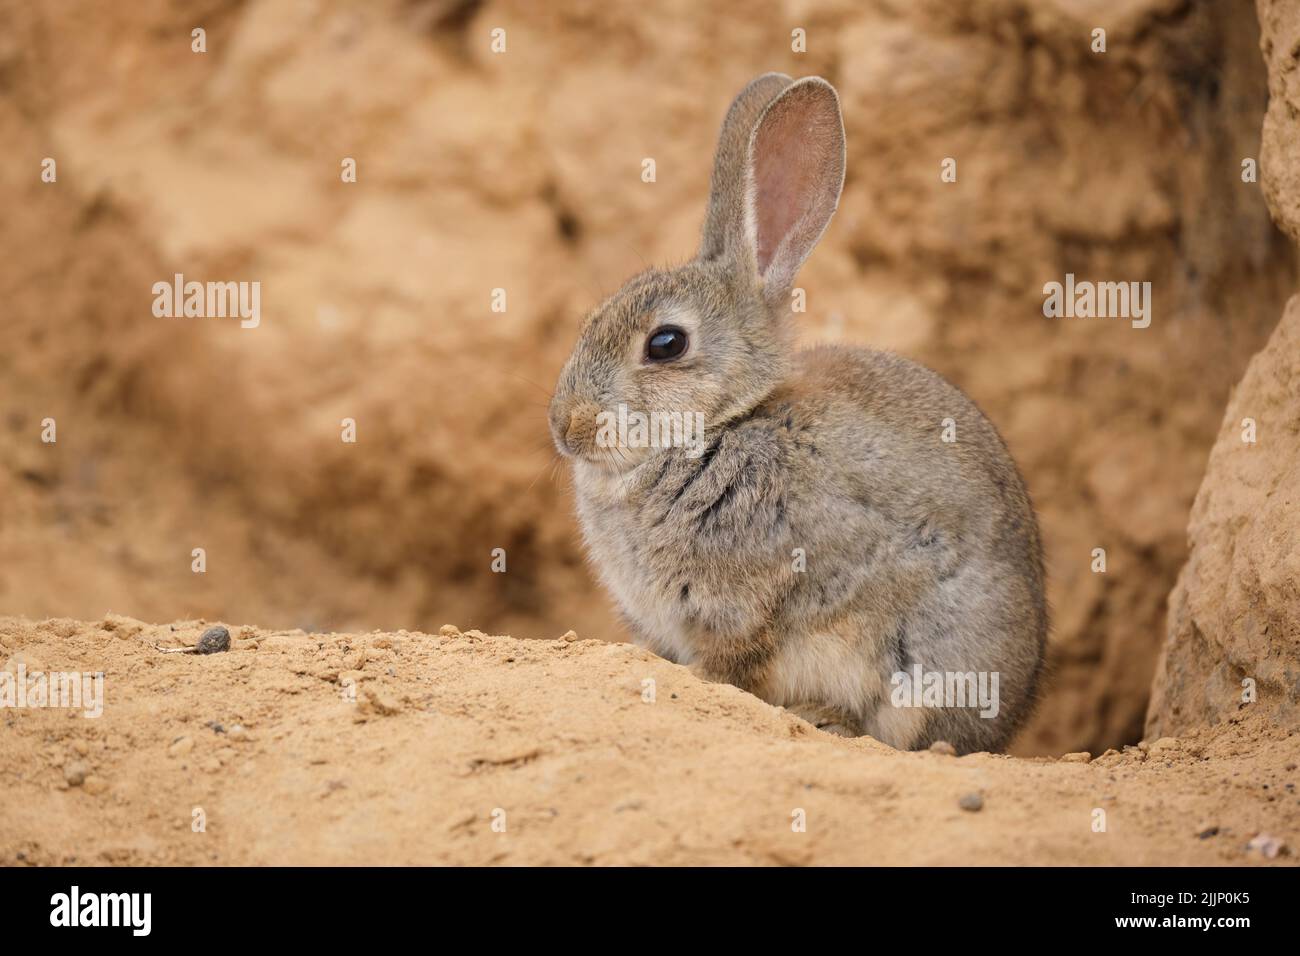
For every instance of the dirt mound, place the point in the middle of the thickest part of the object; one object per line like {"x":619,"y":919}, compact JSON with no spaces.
{"x":1234,"y":620}
{"x":411,"y":748}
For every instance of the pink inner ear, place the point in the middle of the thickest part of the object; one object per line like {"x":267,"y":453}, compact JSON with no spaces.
{"x":790,"y":156}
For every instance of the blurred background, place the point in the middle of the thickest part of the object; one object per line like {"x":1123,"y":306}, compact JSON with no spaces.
{"x":522,"y":170}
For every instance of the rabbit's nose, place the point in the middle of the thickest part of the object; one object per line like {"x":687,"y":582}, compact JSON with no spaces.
{"x":579,"y":427}
{"x":580,"y":430}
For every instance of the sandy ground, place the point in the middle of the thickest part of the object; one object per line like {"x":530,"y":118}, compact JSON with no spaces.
{"x":471,"y":749}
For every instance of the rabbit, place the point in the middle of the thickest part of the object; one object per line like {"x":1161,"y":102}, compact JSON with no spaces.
{"x":849,"y":523}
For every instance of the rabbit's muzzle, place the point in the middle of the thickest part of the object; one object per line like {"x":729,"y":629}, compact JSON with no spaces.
{"x":575,"y":434}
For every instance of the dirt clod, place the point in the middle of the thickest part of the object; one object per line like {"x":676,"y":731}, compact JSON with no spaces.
{"x":214,"y":640}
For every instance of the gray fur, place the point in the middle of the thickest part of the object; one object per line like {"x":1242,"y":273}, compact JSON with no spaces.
{"x":918,"y":551}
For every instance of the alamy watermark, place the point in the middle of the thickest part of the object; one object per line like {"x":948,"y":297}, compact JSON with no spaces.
{"x":75,"y":908}
{"x":975,"y":689}
{"x":73,"y":690}
{"x":208,"y":300}
{"x":1098,"y":300}
{"x":625,"y":429}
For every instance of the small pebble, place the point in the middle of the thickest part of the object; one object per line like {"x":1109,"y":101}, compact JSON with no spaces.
{"x":1267,"y":846}
{"x":1081,"y":757}
{"x":75,"y":773}
{"x":570,"y":636}
{"x":214,"y":641}
{"x":1207,"y":830}
{"x":972,"y":802}
{"x":943,"y":747}
{"x":181,"y":746}
{"x":449,"y":630}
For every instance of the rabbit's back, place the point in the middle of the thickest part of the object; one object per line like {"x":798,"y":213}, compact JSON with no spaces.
{"x":923,"y":554}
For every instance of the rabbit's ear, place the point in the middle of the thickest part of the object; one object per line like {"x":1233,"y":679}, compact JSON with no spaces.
{"x":724,"y":225}
{"x":795,"y":174}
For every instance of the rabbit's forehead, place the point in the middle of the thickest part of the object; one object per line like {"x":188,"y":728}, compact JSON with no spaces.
{"x":679,"y":314}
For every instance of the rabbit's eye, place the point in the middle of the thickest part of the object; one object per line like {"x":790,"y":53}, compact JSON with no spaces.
{"x":665,"y":343}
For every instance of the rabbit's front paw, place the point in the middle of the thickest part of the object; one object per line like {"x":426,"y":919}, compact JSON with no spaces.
{"x":828,"y":719}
